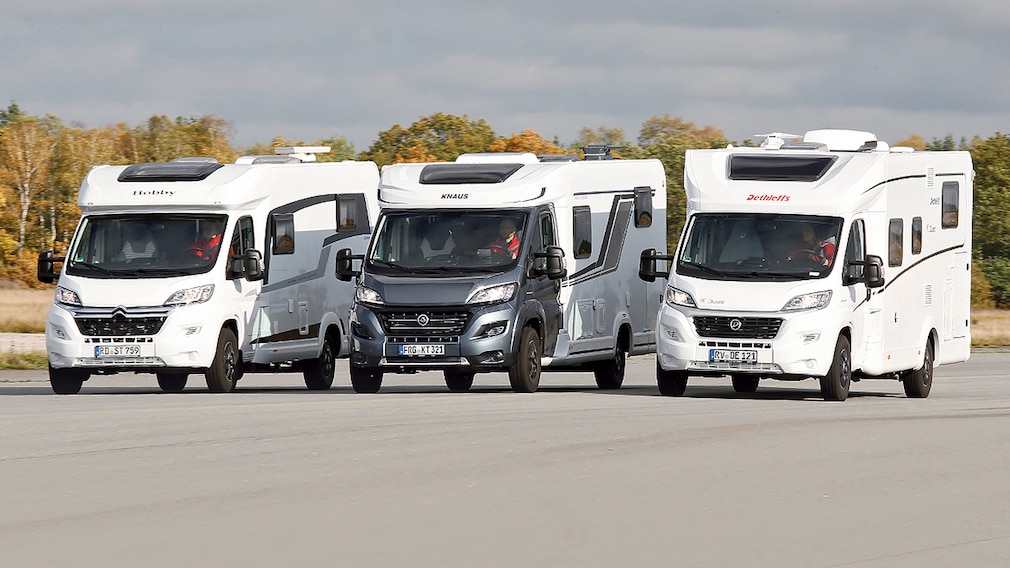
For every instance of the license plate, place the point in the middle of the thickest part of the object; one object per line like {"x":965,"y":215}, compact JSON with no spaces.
{"x":117,"y":351}
{"x":732,"y":356}
{"x":422,"y":350}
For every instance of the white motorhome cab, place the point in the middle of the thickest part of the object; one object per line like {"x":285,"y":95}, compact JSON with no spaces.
{"x":195,"y":266}
{"x":438,"y":290}
{"x":833,"y":257}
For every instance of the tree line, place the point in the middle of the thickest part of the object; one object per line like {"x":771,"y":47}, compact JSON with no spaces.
{"x":43,"y":161}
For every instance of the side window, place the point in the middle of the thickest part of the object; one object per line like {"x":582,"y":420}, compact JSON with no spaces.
{"x":547,"y":231}
{"x":916,"y":235}
{"x":283,"y":233}
{"x":855,"y":248}
{"x":895,"y":234}
{"x":583,"y":227}
{"x":949,"y":210}
{"x":643,"y":207}
{"x":241,"y":241}
{"x":352,"y":215}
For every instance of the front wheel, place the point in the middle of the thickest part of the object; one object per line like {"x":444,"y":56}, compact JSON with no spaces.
{"x":458,"y":381}
{"x":610,"y":373}
{"x":223,"y":371}
{"x":671,"y":383}
{"x":366,"y":380}
{"x":67,"y":381}
{"x":835,"y":385}
{"x":170,"y":382}
{"x":524,"y":374}
{"x":318,"y":373}
{"x":918,"y":383}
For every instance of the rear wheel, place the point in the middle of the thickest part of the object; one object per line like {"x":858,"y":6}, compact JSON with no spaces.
{"x":746,"y":383}
{"x":458,"y":381}
{"x":172,"y":382}
{"x":318,"y":373}
{"x":365,"y":379}
{"x":67,"y":381}
{"x":671,"y":383}
{"x":918,"y":383}
{"x":524,"y":374}
{"x":223,"y":371}
{"x":610,"y":373}
{"x":835,"y":385}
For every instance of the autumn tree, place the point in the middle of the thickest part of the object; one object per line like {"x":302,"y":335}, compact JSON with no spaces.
{"x":439,"y":137}
{"x":525,"y":141}
{"x":602,"y":135}
{"x":26,"y":150}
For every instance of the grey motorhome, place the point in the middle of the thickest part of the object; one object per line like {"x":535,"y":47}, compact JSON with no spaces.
{"x":833,"y":256}
{"x":508,"y":262}
{"x":195,"y":266}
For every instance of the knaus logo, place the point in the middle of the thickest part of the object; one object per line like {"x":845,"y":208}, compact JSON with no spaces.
{"x":165,"y":192}
{"x":455,"y":195}
{"x":767,"y":197}
{"x":710,"y":301}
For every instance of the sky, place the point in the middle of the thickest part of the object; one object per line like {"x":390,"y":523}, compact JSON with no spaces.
{"x":317,"y":69}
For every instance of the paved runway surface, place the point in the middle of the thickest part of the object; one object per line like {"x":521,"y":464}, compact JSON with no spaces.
{"x":275,"y":475}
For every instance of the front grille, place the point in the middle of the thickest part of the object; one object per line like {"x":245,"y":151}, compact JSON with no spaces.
{"x":424,"y":323}
{"x":120,"y":321}
{"x":749,"y":328}
{"x":120,"y":326}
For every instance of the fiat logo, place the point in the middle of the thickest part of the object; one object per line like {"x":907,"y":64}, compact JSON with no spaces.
{"x":423,"y":319}
{"x":735,"y":324}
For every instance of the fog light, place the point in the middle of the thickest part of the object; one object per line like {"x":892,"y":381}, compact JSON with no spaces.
{"x":492,"y":330}
{"x":492,"y":357}
{"x":358,"y":358}
{"x":59,"y":333}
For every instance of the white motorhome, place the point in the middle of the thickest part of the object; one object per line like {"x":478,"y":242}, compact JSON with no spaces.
{"x":832,"y":257}
{"x":438,"y":291}
{"x":195,"y":266}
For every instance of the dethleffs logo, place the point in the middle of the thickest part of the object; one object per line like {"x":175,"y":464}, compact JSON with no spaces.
{"x":767,"y":197}
{"x":455,"y":195}
{"x":165,"y":192}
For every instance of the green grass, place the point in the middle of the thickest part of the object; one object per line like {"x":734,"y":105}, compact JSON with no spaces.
{"x":23,"y":361}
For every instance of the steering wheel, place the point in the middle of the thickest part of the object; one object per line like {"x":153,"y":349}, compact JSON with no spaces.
{"x":809,"y":255}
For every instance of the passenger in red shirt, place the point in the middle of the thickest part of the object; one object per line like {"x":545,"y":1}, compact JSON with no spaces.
{"x":507,"y":241}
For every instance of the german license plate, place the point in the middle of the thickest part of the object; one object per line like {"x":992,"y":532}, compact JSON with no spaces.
{"x":422,"y":350}
{"x":117,"y":351}
{"x":732,"y":356}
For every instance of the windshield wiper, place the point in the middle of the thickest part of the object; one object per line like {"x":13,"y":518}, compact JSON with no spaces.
{"x":704,"y":268}
{"x":95,"y":267}
{"x":392,"y":265}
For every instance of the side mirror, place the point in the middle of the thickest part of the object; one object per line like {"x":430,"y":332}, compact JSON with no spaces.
{"x":647,"y":269}
{"x":46,"y":267}
{"x":345,"y":265}
{"x":874,"y":275}
{"x":252,"y":265}
{"x":869,"y":271}
{"x":553,"y":265}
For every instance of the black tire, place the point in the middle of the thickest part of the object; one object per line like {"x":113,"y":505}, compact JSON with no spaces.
{"x":67,"y":381}
{"x":835,"y":385}
{"x":458,"y":381}
{"x":746,"y":383}
{"x":319,"y":372}
{"x":171,"y":382}
{"x":918,"y":383}
{"x":610,"y":373}
{"x":224,"y":370}
{"x":524,"y":374}
{"x":671,"y":383}
{"x":366,"y":380}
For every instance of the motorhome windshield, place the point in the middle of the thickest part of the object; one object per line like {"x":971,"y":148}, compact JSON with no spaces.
{"x":446,"y":243}
{"x":146,"y":246}
{"x":748,"y":246}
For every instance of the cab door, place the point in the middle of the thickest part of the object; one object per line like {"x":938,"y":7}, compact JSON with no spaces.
{"x":542,"y":289}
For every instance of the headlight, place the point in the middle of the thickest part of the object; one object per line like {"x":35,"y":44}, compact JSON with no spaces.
{"x":676,"y":297}
{"x":67,"y":297}
{"x":197,"y":295}
{"x":812,"y":301}
{"x":366,"y":295}
{"x":493,"y":295}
